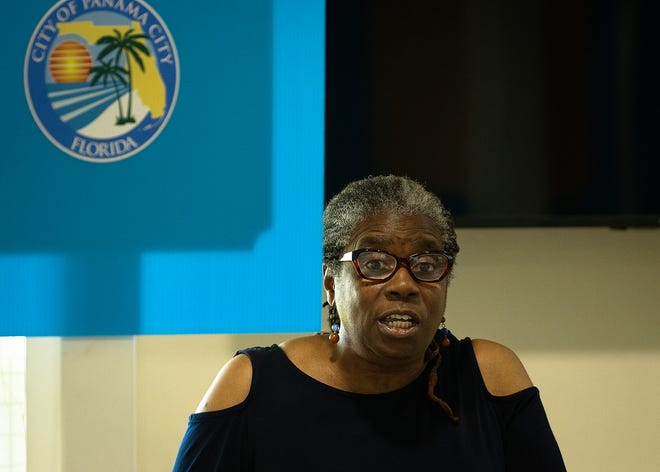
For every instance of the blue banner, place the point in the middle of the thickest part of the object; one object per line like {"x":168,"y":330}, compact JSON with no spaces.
{"x":163,"y":167}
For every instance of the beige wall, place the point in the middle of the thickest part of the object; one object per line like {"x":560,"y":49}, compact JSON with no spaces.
{"x":580,"y":306}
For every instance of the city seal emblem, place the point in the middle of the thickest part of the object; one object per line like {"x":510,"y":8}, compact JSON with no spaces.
{"x":101,"y":77}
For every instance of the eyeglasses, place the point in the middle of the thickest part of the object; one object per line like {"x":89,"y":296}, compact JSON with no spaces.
{"x":376,"y":264}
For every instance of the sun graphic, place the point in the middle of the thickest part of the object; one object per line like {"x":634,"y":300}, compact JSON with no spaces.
{"x":70,"y":61}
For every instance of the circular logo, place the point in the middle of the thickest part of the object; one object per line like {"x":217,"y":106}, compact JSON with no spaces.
{"x":101,"y":77}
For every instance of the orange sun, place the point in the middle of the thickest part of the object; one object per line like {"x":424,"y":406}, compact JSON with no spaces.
{"x":70,"y":62}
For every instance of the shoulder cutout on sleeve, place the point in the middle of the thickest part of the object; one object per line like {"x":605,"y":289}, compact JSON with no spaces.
{"x":501,"y":369}
{"x":230,"y":387}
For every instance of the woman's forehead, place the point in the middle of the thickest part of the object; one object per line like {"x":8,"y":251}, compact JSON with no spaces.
{"x":393,"y":228}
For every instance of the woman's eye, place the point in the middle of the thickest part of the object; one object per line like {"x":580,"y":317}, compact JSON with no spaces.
{"x":375,"y":265}
{"x":425,"y":267}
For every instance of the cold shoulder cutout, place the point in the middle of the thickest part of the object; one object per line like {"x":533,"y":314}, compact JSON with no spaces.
{"x":501,"y":370}
{"x":230,"y":387}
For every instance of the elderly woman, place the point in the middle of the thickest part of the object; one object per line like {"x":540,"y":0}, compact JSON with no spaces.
{"x":389,"y":388}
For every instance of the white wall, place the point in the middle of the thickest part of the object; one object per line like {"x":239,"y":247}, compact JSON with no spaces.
{"x":81,"y":404}
{"x":580,"y":306}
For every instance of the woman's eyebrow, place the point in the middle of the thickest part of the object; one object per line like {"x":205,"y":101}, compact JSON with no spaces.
{"x":374,"y":240}
{"x":425,"y":243}
{"x":430,"y":244}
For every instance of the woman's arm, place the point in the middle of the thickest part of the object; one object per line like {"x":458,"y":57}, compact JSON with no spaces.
{"x":529,"y":444}
{"x":214,"y":439}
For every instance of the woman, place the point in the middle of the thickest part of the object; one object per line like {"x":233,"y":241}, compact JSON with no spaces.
{"x":389,"y":388}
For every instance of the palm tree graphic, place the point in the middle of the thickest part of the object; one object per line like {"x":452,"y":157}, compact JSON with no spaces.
{"x":115,"y":73}
{"x":128,"y":45}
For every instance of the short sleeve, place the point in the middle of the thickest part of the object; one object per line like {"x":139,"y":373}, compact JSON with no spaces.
{"x":213,"y":441}
{"x":529,"y":443}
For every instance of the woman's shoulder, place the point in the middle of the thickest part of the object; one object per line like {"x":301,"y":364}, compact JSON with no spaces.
{"x":302,"y":346}
{"x":233,"y":382}
{"x":501,"y":369}
{"x":230,"y":387}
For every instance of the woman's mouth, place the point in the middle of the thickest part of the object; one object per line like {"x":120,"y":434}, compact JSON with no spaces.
{"x":399,"y":324}
{"x":398,"y":321}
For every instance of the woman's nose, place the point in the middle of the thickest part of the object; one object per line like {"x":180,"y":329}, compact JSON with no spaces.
{"x":402,"y":284}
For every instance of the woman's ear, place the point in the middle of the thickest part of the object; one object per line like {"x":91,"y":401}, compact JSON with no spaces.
{"x":329,"y":284}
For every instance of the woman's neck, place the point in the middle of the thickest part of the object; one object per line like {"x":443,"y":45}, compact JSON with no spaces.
{"x":359,"y":373}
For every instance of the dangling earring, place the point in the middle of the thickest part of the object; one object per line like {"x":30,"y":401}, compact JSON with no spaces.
{"x":444,"y":334}
{"x":333,"y":318}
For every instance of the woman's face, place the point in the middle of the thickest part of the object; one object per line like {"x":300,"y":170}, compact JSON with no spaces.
{"x":393,"y":320}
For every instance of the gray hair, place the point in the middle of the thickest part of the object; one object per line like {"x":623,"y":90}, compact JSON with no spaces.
{"x":362,"y":198}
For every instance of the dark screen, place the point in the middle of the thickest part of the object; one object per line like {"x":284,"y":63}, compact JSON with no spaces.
{"x":514,"y":113}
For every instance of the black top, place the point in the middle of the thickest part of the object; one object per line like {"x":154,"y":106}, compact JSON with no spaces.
{"x":290,"y":421}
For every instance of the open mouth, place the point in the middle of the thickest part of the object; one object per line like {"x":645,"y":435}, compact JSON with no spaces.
{"x":399,"y":321}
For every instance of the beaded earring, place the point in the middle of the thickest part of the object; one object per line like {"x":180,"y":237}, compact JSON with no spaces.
{"x":333,"y":318}
{"x":444,"y":334}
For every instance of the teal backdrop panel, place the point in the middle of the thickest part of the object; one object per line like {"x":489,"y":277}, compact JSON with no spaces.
{"x":177,"y":192}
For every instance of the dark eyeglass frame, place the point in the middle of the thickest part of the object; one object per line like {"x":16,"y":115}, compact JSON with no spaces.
{"x":352,"y":256}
